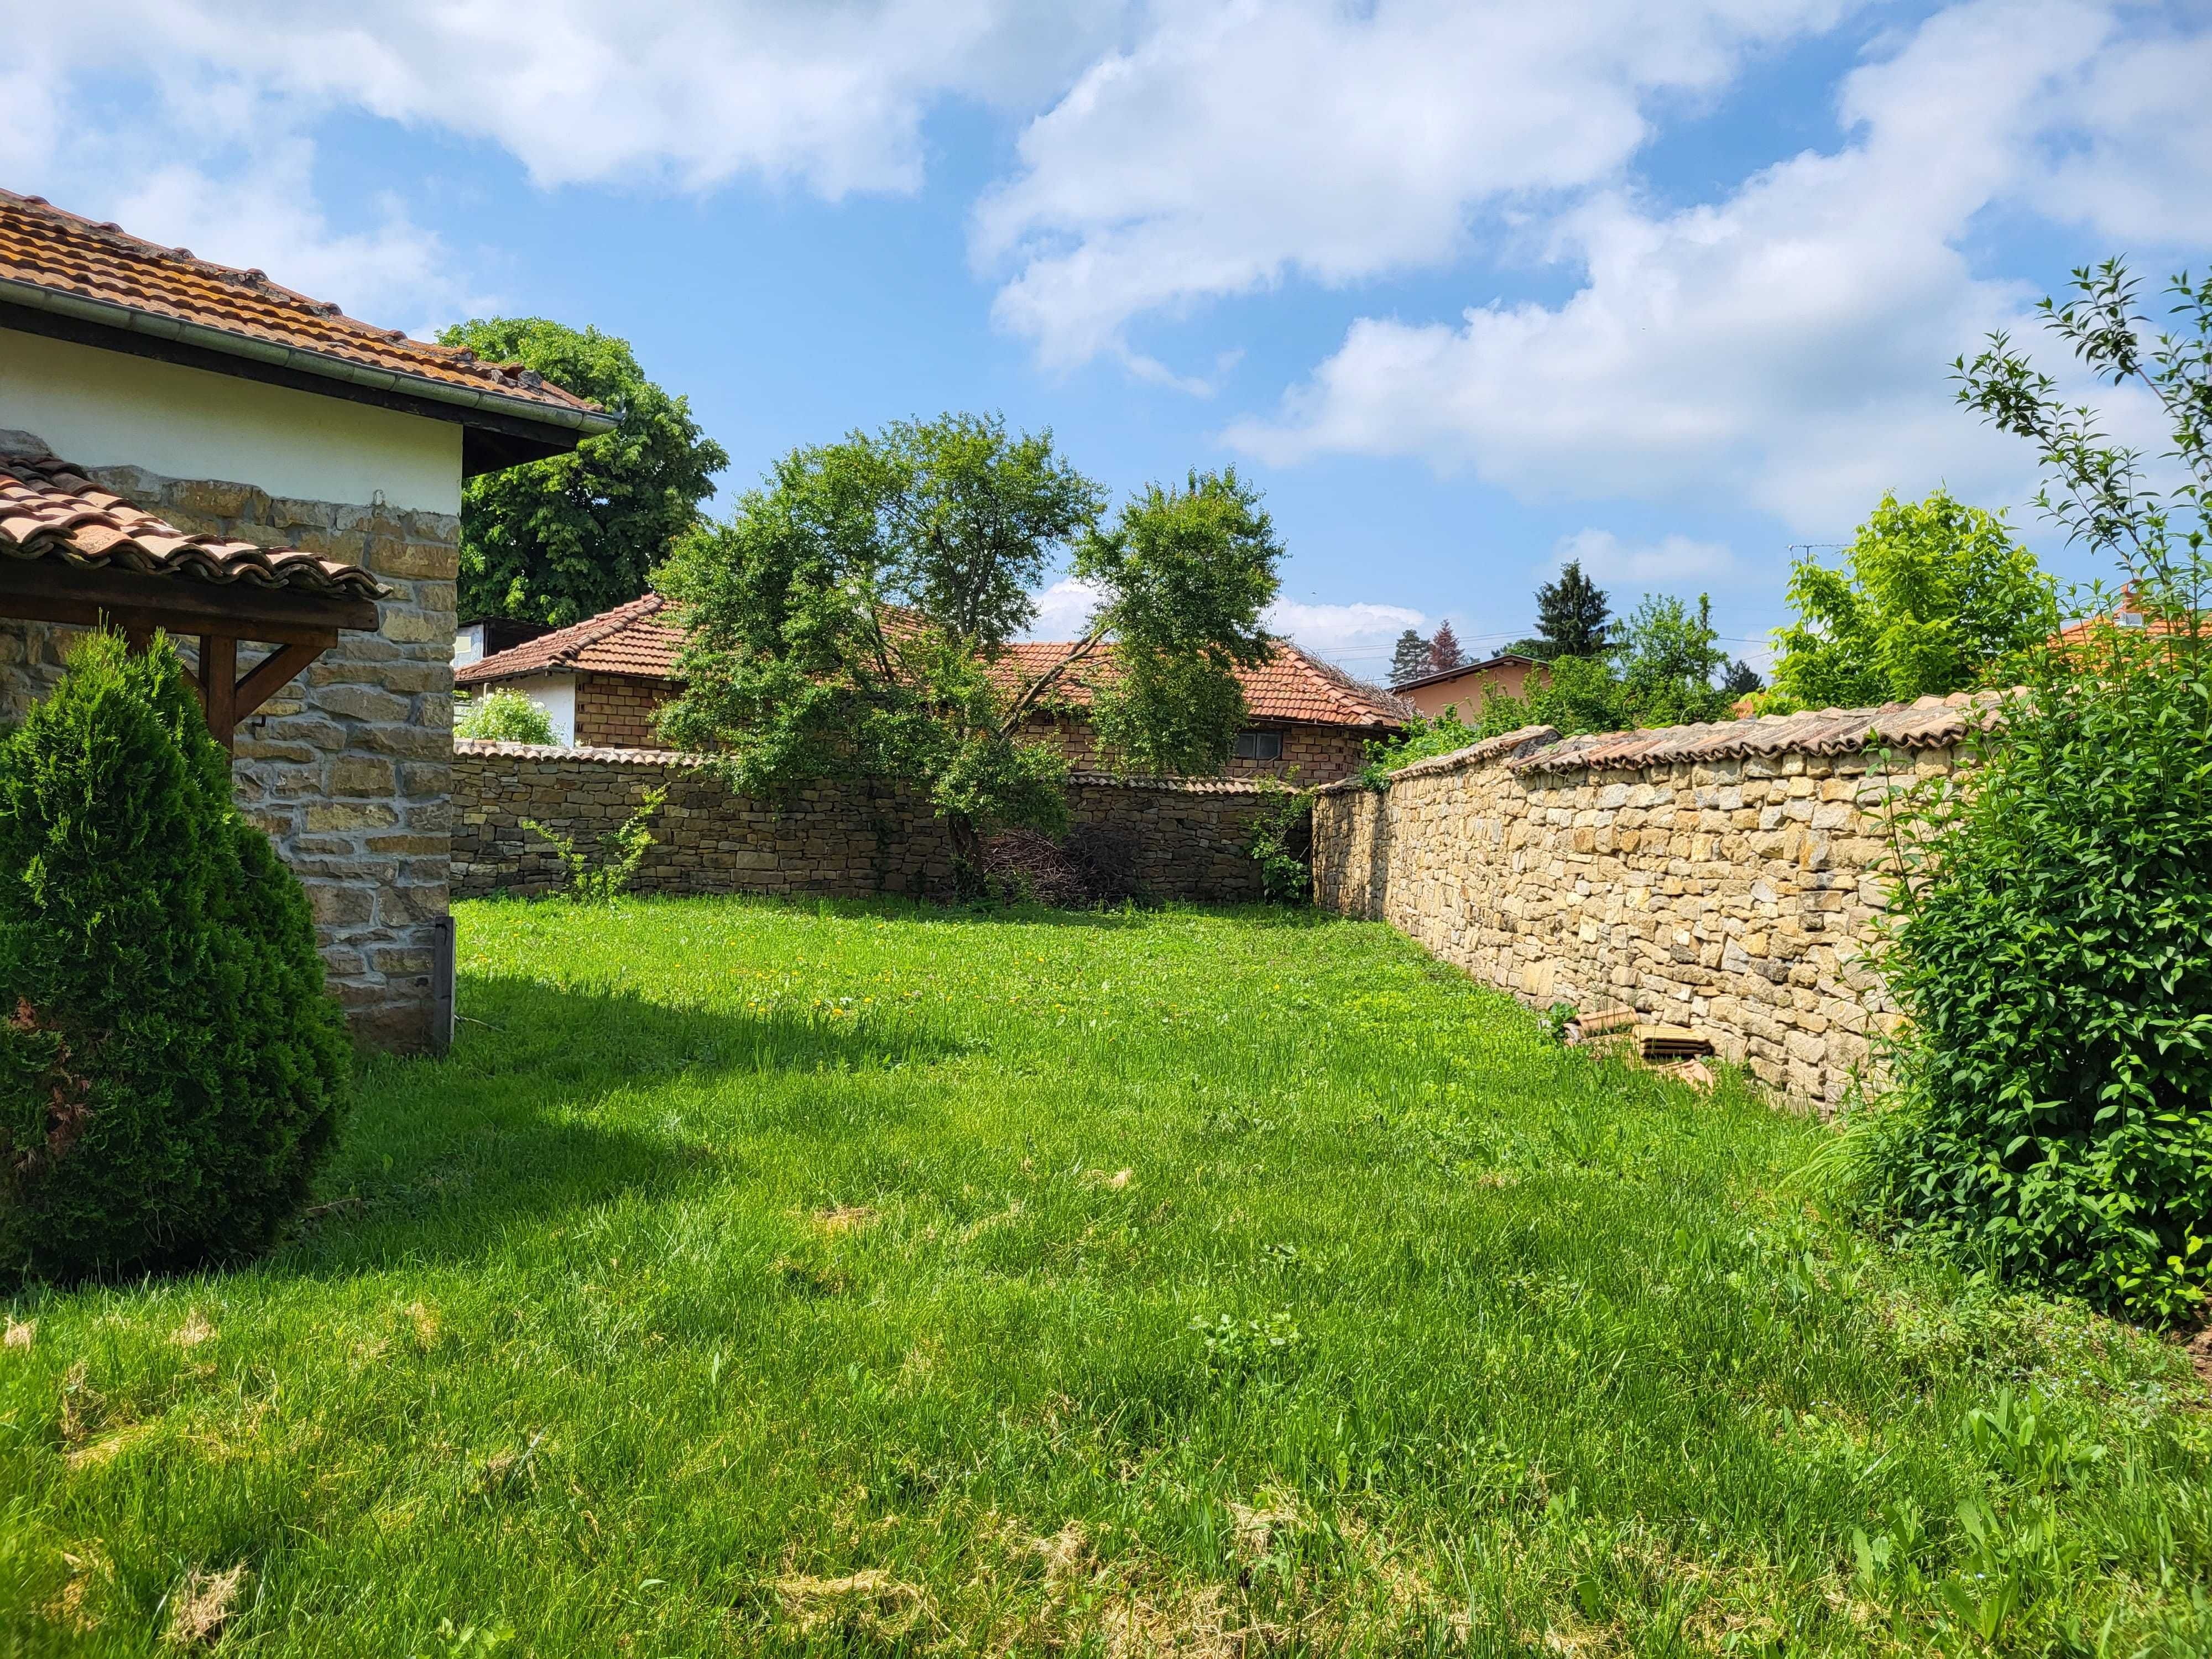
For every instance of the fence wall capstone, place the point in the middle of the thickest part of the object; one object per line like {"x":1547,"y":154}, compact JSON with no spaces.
{"x":1179,"y":838}
{"x":1723,"y":876}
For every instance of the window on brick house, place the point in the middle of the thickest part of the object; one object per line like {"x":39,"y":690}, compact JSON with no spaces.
{"x":1259,"y":745}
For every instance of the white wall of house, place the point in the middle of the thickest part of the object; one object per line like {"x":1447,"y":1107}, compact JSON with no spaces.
{"x":554,"y":693}
{"x":102,"y":408}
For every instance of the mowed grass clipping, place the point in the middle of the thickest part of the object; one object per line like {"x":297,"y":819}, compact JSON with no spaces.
{"x":838,"y":1278}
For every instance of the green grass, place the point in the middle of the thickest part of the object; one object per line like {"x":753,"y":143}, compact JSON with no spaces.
{"x":777,"y":1279}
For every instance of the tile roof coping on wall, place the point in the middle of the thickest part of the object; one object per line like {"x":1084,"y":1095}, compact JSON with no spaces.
{"x":50,"y":510}
{"x":541,"y":752}
{"x":1930,"y":723}
{"x":1465,"y":669}
{"x":631,"y":640}
{"x":59,"y":262}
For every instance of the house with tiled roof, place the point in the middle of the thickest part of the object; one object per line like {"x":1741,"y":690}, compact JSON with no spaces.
{"x":602,"y":683}
{"x":192,"y":447}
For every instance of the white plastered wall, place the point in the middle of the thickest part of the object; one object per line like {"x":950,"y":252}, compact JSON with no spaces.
{"x":554,"y":693}
{"x":102,"y":408}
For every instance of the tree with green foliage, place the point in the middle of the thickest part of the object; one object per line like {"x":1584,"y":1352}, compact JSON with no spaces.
{"x":172,"y":1073}
{"x":1666,"y":656}
{"x":2051,"y":932}
{"x":847,"y":620}
{"x":569,"y":536}
{"x":503,"y":716}
{"x":1572,"y":617}
{"x":1934,"y":597}
{"x":1409,"y":659}
{"x":1742,"y":680}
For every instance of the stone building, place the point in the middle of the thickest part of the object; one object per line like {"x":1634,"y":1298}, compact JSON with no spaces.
{"x":187,"y":445}
{"x":602,"y":682}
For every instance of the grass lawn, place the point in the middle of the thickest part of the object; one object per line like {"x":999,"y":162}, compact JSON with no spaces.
{"x":773,"y":1280}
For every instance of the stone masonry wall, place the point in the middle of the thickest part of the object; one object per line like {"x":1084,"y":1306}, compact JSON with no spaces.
{"x":348,"y":768}
{"x":1734,"y":895}
{"x":614,"y":711}
{"x":1312,"y":755}
{"x":1182,"y":840}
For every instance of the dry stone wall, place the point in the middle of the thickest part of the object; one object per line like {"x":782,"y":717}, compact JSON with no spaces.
{"x":347,"y":768}
{"x":1178,"y":839}
{"x":1724,"y":877}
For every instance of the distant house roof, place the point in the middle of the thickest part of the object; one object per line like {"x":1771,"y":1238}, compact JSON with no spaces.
{"x":636,"y":640}
{"x":631,"y":639}
{"x":1466,"y":669}
{"x":50,"y":510}
{"x":63,"y":274}
{"x":1290,"y":687}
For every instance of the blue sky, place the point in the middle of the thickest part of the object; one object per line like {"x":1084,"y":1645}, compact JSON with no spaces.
{"x":1464,"y":287}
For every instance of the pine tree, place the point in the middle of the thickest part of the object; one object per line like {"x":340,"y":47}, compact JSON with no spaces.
{"x":1742,"y":679}
{"x":1571,"y":614}
{"x":1410,"y":660}
{"x":1444,"y":654}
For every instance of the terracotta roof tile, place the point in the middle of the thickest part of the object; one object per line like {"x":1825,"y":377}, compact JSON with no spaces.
{"x":1290,"y":687}
{"x":631,"y":639}
{"x":44,"y":248}
{"x":48,"y":509}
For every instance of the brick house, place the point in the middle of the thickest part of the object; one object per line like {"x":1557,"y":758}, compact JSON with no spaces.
{"x":189,"y":447}
{"x":602,"y":682}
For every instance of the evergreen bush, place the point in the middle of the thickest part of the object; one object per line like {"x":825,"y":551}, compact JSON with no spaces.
{"x":172,"y":1073}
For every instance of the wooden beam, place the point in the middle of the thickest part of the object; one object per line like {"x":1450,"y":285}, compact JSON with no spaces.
{"x":272,"y":673}
{"x":219,"y":685}
{"x":47,"y":590}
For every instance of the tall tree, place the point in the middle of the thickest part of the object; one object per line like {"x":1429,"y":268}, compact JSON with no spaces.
{"x":1409,"y":661}
{"x":1668,"y":655}
{"x":1933,"y":597}
{"x":569,"y":536}
{"x":1571,"y":614}
{"x":844,"y":623}
{"x":1444,"y":654}
{"x":1741,"y":680}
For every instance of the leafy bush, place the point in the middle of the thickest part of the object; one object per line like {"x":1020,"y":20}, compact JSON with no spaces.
{"x":1282,"y":843}
{"x":2052,"y":943}
{"x":620,"y":851}
{"x":504,"y":717}
{"x":1420,"y":739}
{"x":171,"y":1070}
{"x":2051,"y":930}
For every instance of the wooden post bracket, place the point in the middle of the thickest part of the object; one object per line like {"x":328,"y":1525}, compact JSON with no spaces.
{"x":228,"y":699}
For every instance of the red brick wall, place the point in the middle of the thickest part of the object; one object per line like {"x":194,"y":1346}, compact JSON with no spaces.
{"x":615,"y":712}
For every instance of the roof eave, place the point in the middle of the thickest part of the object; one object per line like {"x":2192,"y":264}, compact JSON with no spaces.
{"x":157,"y":325}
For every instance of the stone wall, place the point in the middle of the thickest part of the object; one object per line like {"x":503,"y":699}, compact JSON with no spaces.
{"x":1723,"y":877}
{"x":1312,"y":755}
{"x":1181,"y":839}
{"x":348,"y":767}
{"x":614,"y":711}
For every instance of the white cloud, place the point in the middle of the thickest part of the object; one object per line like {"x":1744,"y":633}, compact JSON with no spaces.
{"x":1671,"y":560}
{"x":1064,"y":610}
{"x":1239,"y":143}
{"x":1359,"y":636}
{"x":1786,"y":345}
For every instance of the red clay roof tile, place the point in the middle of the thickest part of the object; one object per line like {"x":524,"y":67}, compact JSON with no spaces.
{"x":631,"y":639}
{"x":44,"y":247}
{"x":48,"y":509}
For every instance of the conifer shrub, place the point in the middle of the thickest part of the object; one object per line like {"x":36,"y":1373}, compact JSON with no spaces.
{"x":171,"y":1072}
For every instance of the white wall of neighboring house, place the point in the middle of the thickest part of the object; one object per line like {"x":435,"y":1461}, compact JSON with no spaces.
{"x":554,"y":693}
{"x":100,"y":408}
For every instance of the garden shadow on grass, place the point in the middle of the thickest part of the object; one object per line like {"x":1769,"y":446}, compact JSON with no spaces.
{"x":444,"y":1154}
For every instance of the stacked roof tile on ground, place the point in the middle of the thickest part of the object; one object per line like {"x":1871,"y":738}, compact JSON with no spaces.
{"x":48,"y":509}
